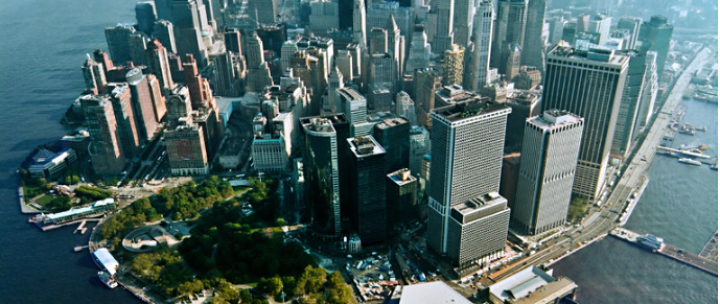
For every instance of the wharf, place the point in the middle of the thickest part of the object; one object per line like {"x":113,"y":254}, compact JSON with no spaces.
{"x":688,"y":153}
{"x":710,"y":250}
{"x":672,"y":252}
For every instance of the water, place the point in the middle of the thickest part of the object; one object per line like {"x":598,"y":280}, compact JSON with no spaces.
{"x":680,"y":205}
{"x":43,"y":46}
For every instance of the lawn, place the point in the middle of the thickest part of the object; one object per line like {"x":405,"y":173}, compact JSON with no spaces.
{"x":44,"y":200}
{"x":239,"y":191}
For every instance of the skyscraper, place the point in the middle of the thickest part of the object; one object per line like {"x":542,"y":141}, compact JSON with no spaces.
{"x":426,"y":82}
{"x":479,"y":58}
{"x":588,"y":83}
{"x":185,"y":146}
{"x":125,"y":116}
{"x":233,"y":43}
{"x":453,"y":65}
{"x":401,"y":197}
{"x":534,"y":46}
{"x":632,"y":25}
{"x":419,"y":146}
{"x":419,"y":53}
{"x":649,"y":93}
{"x":367,"y":189}
{"x":462,"y":21}
{"x":105,"y":152}
{"x":394,"y":135}
{"x":511,"y":21}
{"x":146,"y":16}
{"x":359,"y":24}
{"x":263,"y":11}
{"x":443,"y":38}
{"x":322,"y":172}
{"x":600,"y":24}
{"x":158,"y":64}
{"x":467,"y":144}
{"x":165,"y":32}
{"x":325,"y":16}
{"x":405,"y":107}
{"x":188,"y":27}
{"x":142,"y":103}
{"x":629,"y":105}
{"x":547,"y":170}
{"x":655,"y":36}
{"x":118,"y":41}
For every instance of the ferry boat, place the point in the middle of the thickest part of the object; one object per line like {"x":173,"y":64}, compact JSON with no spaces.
{"x":107,"y":279}
{"x":690,"y":161}
{"x":714,"y":167}
{"x":650,"y":241}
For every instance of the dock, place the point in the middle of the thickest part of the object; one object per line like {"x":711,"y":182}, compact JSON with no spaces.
{"x":687,"y":153}
{"x":710,"y":250}
{"x":81,"y":228}
{"x":672,"y":252}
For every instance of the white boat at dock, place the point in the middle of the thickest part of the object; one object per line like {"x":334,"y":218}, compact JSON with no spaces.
{"x":690,"y":161}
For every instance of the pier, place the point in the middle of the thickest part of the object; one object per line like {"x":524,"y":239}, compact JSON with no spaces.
{"x":672,"y":252}
{"x":81,"y":228}
{"x":688,"y":153}
{"x":710,"y":250}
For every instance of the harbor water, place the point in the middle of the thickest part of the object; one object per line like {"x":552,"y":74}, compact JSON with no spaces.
{"x":44,"y":45}
{"x":680,"y":205}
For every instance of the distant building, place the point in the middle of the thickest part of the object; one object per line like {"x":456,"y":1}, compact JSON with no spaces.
{"x":431,"y":293}
{"x":655,"y":36}
{"x":368,"y":211}
{"x":547,"y":170}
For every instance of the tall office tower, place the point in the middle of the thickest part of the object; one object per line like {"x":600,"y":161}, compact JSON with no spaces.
{"x":570,"y":30}
{"x":331,"y":102}
{"x":533,"y":48}
{"x":524,"y":105}
{"x":354,"y":106}
{"x":443,"y":38}
{"x":475,"y":77}
{"x":233,"y":41}
{"x":357,"y":60}
{"x":273,"y":36}
{"x":419,"y":53}
{"x":512,"y":67}
{"x":649,"y":93}
{"x":263,"y":11}
{"x":401,"y":197}
{"x":477,"y":230}
{"x":547,"y":169}
{"x":367,"y":189}
{"x":396,"y":45}
{"x":359,"y":24}
{"x":511,"y":21}
{"x":178,"y":104}
{"x":287,"y":51}
{"x":463,"y":21}
{"x":394,"y":135}
{"x":118,"y":41}
{"x":600,"y":24}
{"x":94,"y":75}
{"x":219,"y":8}
{"x":146,"y":16}
{"x":194,"y":82}
{"x":142,"y":104}
{"x":164,"y":31}
{"x":185,"y":146}
{"x":379,"y":13}
{"x":158,"y":64}
{"x":325,"y":16}
{"x":188,"y":27}
{"x":157,"y":97}
{"x":453,"y":65}
{"x":344,"y":63}
{"x":426,"y":82}
{"x":254,"y":51}
{"x":405,"y":107}
{"x":510,"y":176}
{"x":467,"y":142}
{"x":128,"y":136}
{"x":583,"y":22}
{"x":381,"y":71}
{"x":419,"y":147}
{"x":632,"y":25}
{"x":629,"y":111}
{"x":378,"y":41}
{"x":655,"y":36}
{"x":321,"y":159}
{"x":589,"y":84}
{"x":138,"y":44}
{"x":224,"y":77}
{"x":105,"y":152}
{"x":556,"y":30}
{"x":209,"y":6}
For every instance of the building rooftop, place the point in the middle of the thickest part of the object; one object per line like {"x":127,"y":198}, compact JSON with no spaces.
{"x":589,"y":52}
{"x":431,"y":293}
{"x":391,"y":122}
{"x":468,"y":109}
{"x":364,"y":146}
{"x":349,"y":94}
{"x":531,"y":285}
{"x":402,"y":177}
{"x":479,"y":207}
{"x":552,"y":119}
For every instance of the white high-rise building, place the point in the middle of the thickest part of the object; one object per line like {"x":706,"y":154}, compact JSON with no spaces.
{"x":419,"y":53}
{"x":547,"y":170}
{"x":359,"y":24}
{"x":479,"y":58}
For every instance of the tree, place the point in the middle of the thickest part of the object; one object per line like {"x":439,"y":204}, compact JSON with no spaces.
{"x":271,"y":286}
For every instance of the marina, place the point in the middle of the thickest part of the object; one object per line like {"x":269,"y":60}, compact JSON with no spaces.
{"x":656,"y":245}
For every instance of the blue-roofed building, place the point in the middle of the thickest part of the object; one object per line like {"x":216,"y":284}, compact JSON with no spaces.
{"x":49,"y":164}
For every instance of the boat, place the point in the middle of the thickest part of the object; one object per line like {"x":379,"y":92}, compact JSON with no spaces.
{"x":690,"y":161}
{"x":107,"y":279}
{"x":704,"y":147}
{"x":714,"y":167}
{"x":650,"y":241}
